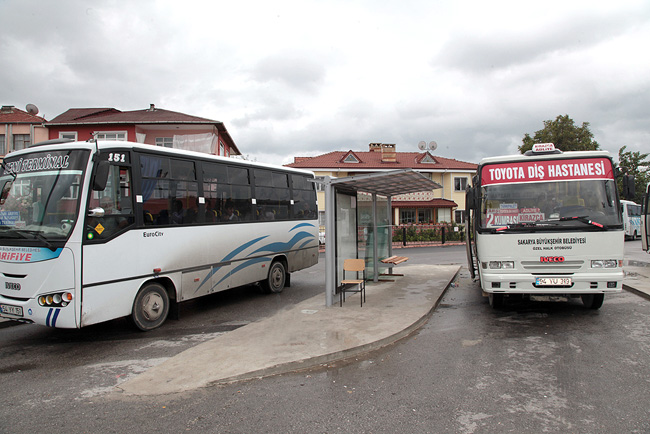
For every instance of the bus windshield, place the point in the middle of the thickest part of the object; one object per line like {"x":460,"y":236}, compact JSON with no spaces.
{"x":550,"y":205}
{"x":40,"y":194}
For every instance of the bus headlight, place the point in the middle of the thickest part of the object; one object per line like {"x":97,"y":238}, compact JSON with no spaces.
{"x":501,"y":265}
{"x":59,"y":299}
{"x":604,"y":263}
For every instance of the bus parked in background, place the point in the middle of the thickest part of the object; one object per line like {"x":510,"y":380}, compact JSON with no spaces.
{"x":631,"y":214}
{"x":92,"y":231}
{"x":645,"y":220}
{"x":546,"y":225}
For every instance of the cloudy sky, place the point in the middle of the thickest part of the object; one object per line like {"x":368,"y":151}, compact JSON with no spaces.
{"x":301,"y":78}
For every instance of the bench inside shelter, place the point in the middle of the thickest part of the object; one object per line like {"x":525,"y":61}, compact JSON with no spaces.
{"x":392,"y":261}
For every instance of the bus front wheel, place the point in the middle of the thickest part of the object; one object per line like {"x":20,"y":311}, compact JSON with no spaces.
{"x":496,"y":300}
{"x":276,"y":279}
{"x":150,"y":307}
{"x":593,"y":301}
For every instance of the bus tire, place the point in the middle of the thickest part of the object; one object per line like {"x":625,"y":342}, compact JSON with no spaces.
{"x":593,"y":301}
{"x":275,"y":281}
{"x":496,"y":300}
{"x":150,"y":307}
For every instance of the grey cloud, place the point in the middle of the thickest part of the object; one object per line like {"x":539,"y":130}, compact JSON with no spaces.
{"x":295,"y":71}
{"x":501,"y":48}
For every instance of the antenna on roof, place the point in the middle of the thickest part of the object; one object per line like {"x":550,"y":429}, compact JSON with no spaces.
{"x":422,"y":145}
{"x":31,"y":109}
{"x":433,"y":145}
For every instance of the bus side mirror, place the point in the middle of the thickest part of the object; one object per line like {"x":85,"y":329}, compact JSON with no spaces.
{"x":470,"y":198}
{"x":628,"y":187}
{"x":101,"y":175}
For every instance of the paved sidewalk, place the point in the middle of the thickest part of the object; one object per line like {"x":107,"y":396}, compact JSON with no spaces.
{"x":637,"y":278}
{"x":305,"y":335}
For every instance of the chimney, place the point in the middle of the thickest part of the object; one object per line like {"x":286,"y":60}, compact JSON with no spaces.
{"x":7,"y":109}
{"x":152,"y":107}
{"x":375,"y":147}
{"x":388,"y":153}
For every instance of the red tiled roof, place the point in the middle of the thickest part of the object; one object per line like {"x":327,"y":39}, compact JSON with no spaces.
{"x":12,"y":115}
{"x":150,"y":116}
{"x":433,"y":203}
{"x":372,"y":160}
{"x":93,"y":116}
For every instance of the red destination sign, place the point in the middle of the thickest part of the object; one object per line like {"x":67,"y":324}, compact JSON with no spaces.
{"x":547,"y":170}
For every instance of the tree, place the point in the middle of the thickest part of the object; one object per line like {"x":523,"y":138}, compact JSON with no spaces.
{"x":635,"y":164}
{"x":564,"y":134}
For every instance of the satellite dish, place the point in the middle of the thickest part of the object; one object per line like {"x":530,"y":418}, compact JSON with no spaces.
{"x":433,"y":145}
{"x":31,"y":109}
{"x":422,"y":145}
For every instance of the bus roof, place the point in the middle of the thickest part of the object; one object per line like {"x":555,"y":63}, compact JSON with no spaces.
{"x":111,"y":144}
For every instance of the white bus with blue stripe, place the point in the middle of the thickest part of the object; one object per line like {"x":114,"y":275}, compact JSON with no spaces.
{"x":631,"y":214}
{"x":92,"y":231}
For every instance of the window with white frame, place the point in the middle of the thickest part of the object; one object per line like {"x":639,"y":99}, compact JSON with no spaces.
{"x":459,"y":216}
{"x":68,"y":135}
{"x":407,"y":216}
{"x":111,"y":135}
{"x":460,"y":184}
{"x":222,"y":149}
{"x":3,"y":149}
{"x":166,"y":142}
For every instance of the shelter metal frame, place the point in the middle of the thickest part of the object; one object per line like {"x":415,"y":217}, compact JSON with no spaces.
{"x":386,"y":184}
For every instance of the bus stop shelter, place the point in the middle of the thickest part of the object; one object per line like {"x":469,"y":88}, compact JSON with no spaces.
{"x":347,"y":214}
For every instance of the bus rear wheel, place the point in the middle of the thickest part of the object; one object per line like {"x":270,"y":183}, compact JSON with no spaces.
{"x":150,"y":307}
{"x":276,"y":279}
{"x":592,"y":301}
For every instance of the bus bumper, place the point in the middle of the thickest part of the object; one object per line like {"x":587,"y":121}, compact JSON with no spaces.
{"x":29,"y":311}
{"x":584,"y":283}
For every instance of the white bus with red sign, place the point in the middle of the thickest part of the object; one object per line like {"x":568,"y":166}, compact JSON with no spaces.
{"x":92,"y":231}
{"x":546,"y":225}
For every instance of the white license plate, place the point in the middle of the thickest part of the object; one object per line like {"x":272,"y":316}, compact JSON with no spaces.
{"x":11,"y":310}
{"x":553,"y":281}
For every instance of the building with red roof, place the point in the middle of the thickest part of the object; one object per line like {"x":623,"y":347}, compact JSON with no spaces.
{"x":20,"y":129}
{"x":446,"y":204}
{"x":152,"y":126}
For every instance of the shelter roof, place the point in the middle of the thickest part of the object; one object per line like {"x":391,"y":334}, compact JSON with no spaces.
{"x":389,"y":183}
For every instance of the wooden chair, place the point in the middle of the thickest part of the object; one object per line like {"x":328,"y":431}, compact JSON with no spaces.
{"x":354,"y":285}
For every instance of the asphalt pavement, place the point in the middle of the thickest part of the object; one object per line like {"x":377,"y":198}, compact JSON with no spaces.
{"x":309,"y":333}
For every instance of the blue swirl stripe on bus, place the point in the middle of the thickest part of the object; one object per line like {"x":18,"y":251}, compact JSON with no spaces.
{"x":228,"y":257}
{"x":282,"y":246}
{"x":273,"y":247}
{"x":244,"y":265}
{"x":49,"y":314}
{"x":302,"y":225}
